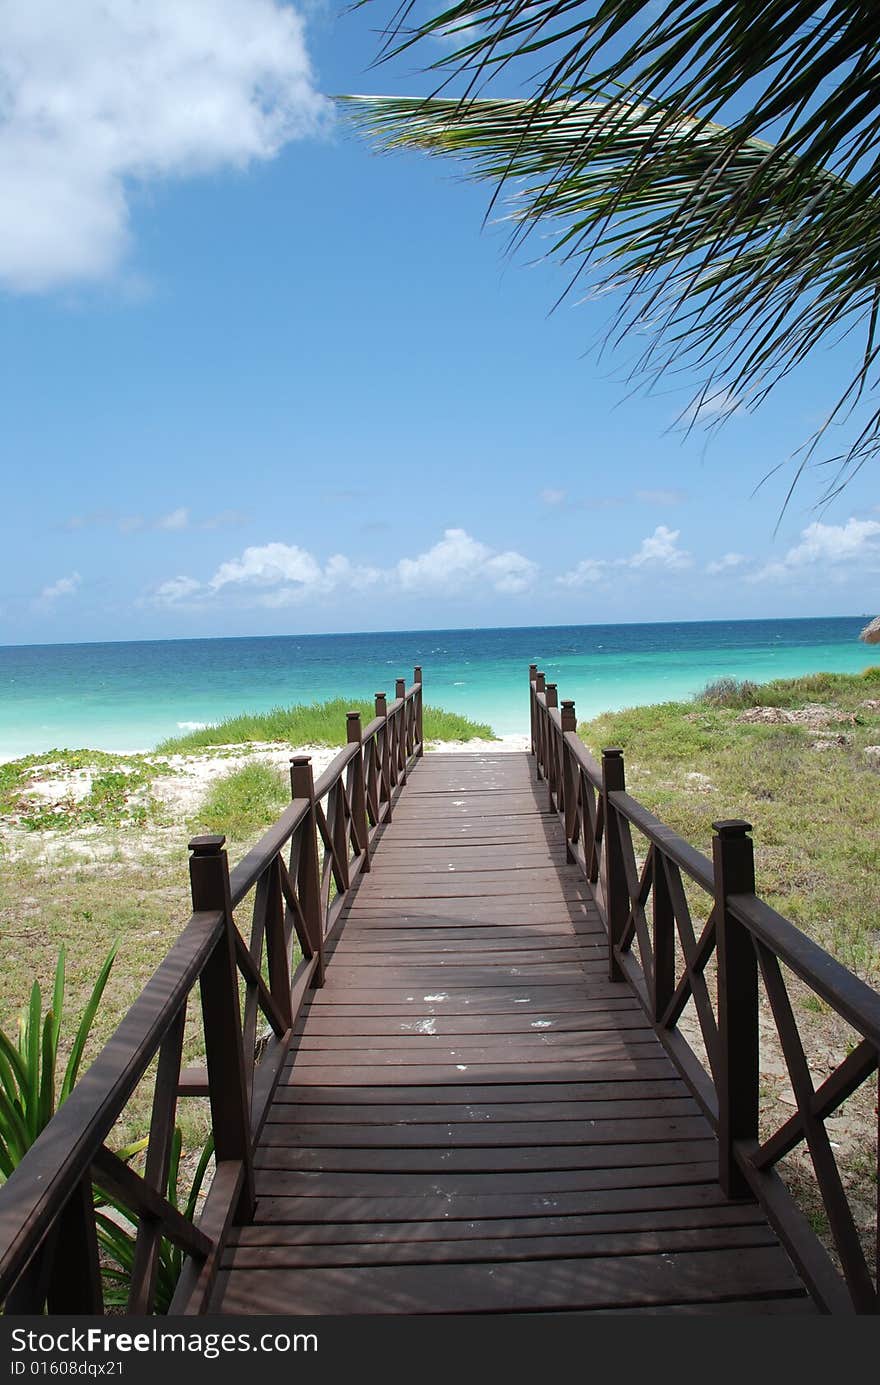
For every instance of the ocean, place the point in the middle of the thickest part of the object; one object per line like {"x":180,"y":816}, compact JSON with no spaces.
{"x":128,"y":696}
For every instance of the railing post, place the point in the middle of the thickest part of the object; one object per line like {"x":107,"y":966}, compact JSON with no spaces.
{"x":358,"y":787}
{"x":308,"y":876}
{"x":400,"y":692}
{"x":221,"y":1017}
{"x":569,"y":777}
{"x":551,"y":766}
{"x":616,"y":892}
{"x":733,"y":855}
{"x":385,"y":765}
{"x":417,"y":678}
{"x":540,"y":747}
{"x":533,"y":672}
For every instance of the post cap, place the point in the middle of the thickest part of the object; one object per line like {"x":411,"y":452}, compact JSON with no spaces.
{"x":209,"y":845}
{"x":612,"y":752}
{"x":732,"y":827}
{"x":568,"y":702}
{"x":353,"y":716}
{"x":300,"y":759}
{"x":380,"y":694}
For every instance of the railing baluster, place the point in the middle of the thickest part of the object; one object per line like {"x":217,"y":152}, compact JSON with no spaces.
{"x":158,"y":1163}
{"x":339,"y":835}
{"x":663,"y":971}
{"x":308,"y":879}
{"x":420,"y":735}
{"x":277,"y":955}
{"x":540,"y":726}
{"x":358,"y":789}
{"x":533,"y":671}
{"x":384,"y":755}
{"x":616,"y":891}
{"x":551,"y":763}
{"x":400,"y":692}
{"x":569,"y":778}
{"x":733,"y":857}
{"x":221,"y":1018}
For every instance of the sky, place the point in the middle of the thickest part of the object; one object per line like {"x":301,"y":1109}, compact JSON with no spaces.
{"x":256,"y":378}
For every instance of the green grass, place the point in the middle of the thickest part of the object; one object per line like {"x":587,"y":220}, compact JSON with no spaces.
{"x":245,"y":802}
{"x":815,"y":811}
{"x":119,"y":795}
{"x":320,"y":723}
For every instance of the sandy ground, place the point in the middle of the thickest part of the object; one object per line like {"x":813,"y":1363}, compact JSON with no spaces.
{"x":178,"y":792}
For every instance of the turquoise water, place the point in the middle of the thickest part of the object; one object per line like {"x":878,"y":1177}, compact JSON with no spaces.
{"x":128,"y":696}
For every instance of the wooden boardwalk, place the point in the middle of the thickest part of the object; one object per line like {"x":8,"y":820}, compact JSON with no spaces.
{"x":472,"y":1117}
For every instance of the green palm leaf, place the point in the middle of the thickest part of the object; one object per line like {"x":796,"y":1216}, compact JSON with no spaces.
{"x":716,"y":161}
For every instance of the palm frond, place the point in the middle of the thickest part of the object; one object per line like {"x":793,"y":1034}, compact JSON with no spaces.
{"x":719,"y":161}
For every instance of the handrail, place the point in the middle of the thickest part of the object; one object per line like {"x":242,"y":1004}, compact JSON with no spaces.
{"x":697,"y":866}
{"x":249,"y":869}
{"x":48,"y":1238}
{"x":854,"y":1000}
{"x":668,"y":958}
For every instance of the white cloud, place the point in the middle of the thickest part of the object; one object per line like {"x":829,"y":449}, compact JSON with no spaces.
{"x":553,"y":497}
{"x":177,"y":519}
{"x":726,"y":563}
{"x":589,"y":570}
{"x":458,"y":560}
{"x":94,"y":96}
{"x":176,"y":589}
{"x":659,"y":549}
{"x":830,"y":546}
{"x":280,"y":574}
{"x":65,"y":586}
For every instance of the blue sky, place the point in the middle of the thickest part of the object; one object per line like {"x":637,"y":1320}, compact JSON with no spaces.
{"x":256,"y":378}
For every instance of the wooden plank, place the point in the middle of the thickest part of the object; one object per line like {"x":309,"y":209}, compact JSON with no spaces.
{"x":468,"y":1134}
{"x":448,"y":1193}
{"x":612,"y":1281}
{"x":344,"y":1199}
{"x":673,"y":1217}
{"x":534,"y":1093}
{"x":532,"y":1112}
{"x":495,"y":1160}
{"x":475,"y":1026}
{"x":614,"y":1070}
{"x":505,"y":1248}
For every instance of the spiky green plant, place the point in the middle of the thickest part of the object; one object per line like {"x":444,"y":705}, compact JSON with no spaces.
{"x":718,"y":161}
{"x":118,"y":1239}
{"x":30,"y":1092}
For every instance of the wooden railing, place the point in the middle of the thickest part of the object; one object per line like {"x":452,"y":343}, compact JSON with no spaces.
{"x":646,"y":881}
{"x":298,"y":877}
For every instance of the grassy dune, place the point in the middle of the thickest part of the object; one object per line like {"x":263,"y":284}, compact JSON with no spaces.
{"x":318,"y":723}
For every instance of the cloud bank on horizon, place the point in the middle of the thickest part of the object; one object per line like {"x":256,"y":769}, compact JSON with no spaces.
{"x":97,"y":98}
{"x":275,"y":575}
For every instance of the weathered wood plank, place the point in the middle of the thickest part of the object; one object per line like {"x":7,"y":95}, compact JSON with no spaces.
{"x":612,"y":1281}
